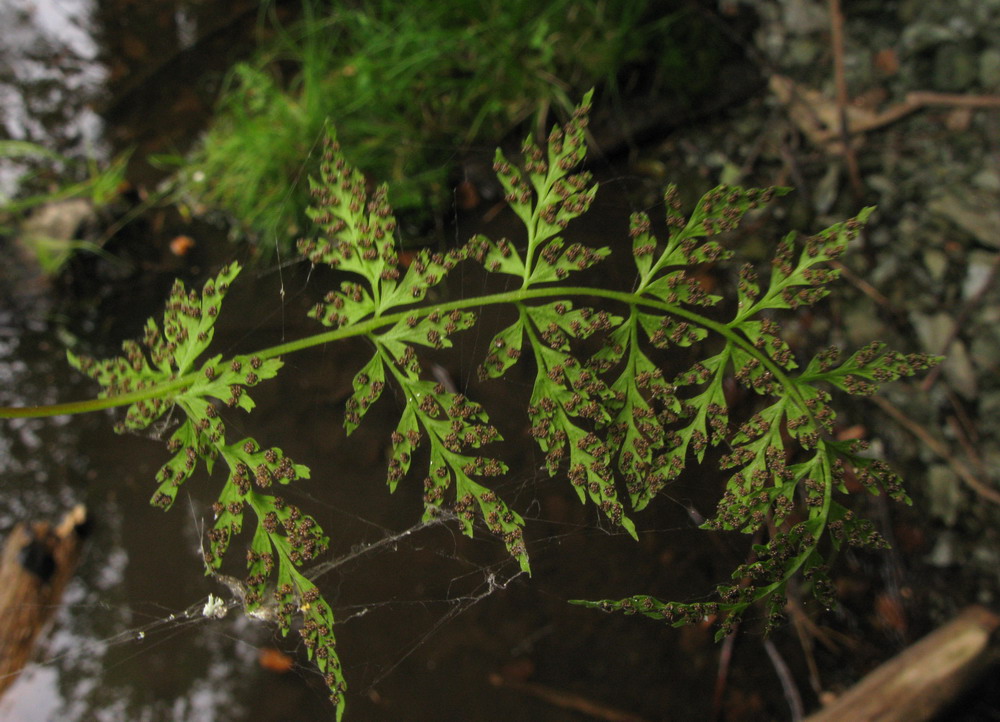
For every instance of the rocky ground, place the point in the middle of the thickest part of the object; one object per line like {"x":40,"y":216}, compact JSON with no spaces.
{"x":922,"y":82}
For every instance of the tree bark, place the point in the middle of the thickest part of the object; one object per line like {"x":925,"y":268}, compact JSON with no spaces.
{"x":36,"y":563}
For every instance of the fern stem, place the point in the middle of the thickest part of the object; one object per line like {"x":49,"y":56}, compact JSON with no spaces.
{"x":373,"y":324}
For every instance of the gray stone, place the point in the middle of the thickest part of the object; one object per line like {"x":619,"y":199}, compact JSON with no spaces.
{"x":59,"y":220}
{"x":801,"y":51}
{"x":975,"y":212}
{"x":944,"y":494}
{"x":936,"y":262}
{"x":882,"y":184}
{"x":801,"y":17}
{"x":989,"y":68}
{"x":956,"y":67}
{"x":944,"y":552}
{"x":977,"y":273}
{"x":988,"y":179}
{"x":989,"y":451}
{"x":934,"y":330}
{"x":987,"y":556}
{"x":985,"y":353}
{"x":862,"y":325}
{"x":886,"y":273}
{"x":989,"y":405}
{"x":826,"y":190}
{"x":959,"y":371}
{"x":880,"y":237}
{"x":923,"y":36}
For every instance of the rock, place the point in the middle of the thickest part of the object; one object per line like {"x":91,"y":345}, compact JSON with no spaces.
{"x":989,"y":404}
{"x":985,"y":353}
{"x":826,"y":190}
{"x":802,"y":52}
{"x":987,"y":556}
{"x":934,"y":331}
{"x":959,"y":371}
{"x":59,"y":220}
{"x":974,"y":212}
{"x":887,"y":270}
{"x":944,"y":552}
{"x":944,"y":494}
{"x":956,"y":67}
{"x":989,"y":69}
{"x":987,"y":179}
{"x":50,"y":233}
{"x":978,"y":273}
{"x":883,"y":185}
{"x":936,"y":262}
{"x":42,"y":243}
{"x":862,"y":326}
{"x":802,"y":17}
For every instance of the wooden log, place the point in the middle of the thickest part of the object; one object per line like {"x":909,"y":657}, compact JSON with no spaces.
{"x":36,"y":563}
{"x":923,"y":679}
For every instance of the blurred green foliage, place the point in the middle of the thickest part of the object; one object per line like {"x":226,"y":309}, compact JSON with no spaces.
{"x":408,"y":87}
{"x":43,"y":183}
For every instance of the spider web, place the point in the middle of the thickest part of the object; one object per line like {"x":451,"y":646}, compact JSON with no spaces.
{"x":427,"y":619}
{"x":132,"y":639}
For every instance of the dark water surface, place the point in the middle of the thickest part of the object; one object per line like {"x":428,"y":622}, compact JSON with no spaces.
{"x":429,"y":617}
{"x":430,"y":621}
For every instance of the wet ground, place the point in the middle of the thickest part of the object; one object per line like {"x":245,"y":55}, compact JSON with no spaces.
{"x":433,"y":625}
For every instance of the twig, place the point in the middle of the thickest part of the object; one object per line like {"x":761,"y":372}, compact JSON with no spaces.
{"x":805,"y":641}
{"x":968,"y":428}
{"x":938,"y":448}
{"x":967,"y":447}
{"x":837,"y":41}
{"x":792,"y":695}
{"x":865,"y":287}
{"x":722,"y":676}
{"x":792,"y":168}
{"x":919,"y":683}
{"x":566,"y":700}
{"x":36,"y":563}
{"x":819,"y":118}
{"x":808,"y":632}
{"x":927,"y":97}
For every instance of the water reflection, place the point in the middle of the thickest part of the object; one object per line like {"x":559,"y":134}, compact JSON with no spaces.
{"x":50,"y":79}
{"x":93,"y":664}
{"x":41,"y":469}
{"x":123,"y":645}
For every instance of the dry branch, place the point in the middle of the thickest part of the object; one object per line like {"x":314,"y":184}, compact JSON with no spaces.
{"x":921,"y":681}
{"x":37,"y":562}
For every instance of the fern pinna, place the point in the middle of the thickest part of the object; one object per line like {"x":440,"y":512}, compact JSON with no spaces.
{"x":613,"y":421}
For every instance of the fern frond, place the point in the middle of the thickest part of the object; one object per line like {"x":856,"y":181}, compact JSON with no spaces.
{"x":602,"y":414}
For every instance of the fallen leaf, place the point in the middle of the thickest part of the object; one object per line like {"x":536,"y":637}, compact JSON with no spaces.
{"x":886,"y":62}
{"x":274,"y":660}
{"x":858,"y":431}
{"x":466,"y":195}
{"x":890,"y":613}
{"x":181,"y":245}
